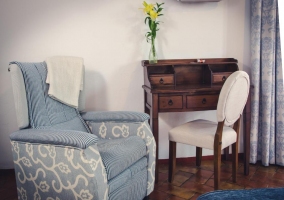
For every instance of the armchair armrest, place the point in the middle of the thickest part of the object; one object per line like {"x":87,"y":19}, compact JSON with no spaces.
{"x":115,"y":116}
{"x":114,"y":125}
{"x":55,"y":163}
{"x":55,"y":137}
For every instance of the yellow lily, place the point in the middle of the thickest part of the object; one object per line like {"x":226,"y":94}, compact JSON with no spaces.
{"x":153,"y":15}
{"x":147,"y":7}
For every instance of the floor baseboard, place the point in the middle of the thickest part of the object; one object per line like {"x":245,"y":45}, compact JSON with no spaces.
{"x":192,"y":159}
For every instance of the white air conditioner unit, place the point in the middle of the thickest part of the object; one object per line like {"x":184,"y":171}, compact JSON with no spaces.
{"x":197,"y":1}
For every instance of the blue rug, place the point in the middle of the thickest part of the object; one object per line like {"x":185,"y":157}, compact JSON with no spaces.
{"x":251,"y":194}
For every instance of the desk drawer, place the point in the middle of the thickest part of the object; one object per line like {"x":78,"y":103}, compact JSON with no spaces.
{"x":169,"y":102}
{"x":202,"y":101}
{"x":220,"y":78}
{"x":162,"y":79}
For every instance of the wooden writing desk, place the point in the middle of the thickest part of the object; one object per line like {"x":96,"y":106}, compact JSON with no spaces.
{"x":185,"y":85}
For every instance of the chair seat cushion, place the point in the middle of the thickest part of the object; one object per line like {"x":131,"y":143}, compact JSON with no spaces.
{"x":201,"y":133}
{"x":119,"y":154}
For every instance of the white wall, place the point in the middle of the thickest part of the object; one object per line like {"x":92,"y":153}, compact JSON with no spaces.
{"x":109,"y":35}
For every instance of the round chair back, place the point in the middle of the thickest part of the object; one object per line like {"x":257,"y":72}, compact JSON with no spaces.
{"x":233,"y":97}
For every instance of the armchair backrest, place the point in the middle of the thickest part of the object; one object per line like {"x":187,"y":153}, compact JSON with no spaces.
{"x":34,"y":107}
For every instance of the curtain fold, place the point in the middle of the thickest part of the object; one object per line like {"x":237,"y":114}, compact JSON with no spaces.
{"x":267,"y":114}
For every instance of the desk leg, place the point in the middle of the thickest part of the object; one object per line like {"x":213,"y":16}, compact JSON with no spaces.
{"x":146,"y":109}
{"x":155,"y":129}
{"x":226,"y":153}
{"x":154,"y":123}
{"x":246,"y":133}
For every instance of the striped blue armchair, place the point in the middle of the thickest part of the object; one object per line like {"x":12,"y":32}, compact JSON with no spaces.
{"x":62,"y":153}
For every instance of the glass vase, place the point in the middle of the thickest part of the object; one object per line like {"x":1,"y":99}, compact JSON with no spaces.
{"x":153,"y":53}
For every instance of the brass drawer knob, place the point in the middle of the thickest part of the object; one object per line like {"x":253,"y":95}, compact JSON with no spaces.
{"x":224,"y":78}
{"x":170,"y":102}
{"x":161,"y":81}
{"x":204,"y":101}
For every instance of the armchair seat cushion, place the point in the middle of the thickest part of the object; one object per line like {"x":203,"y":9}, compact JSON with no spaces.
{"x":123,"y":178}
{"x":119,"y":154}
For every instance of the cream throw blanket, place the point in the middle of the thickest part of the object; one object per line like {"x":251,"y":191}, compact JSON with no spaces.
{"x":65,"y":79}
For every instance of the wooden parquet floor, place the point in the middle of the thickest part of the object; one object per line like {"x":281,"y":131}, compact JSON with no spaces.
{"x":189,"y":181}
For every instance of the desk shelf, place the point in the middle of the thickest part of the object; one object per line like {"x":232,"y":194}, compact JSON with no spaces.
{"x":181,"y":72}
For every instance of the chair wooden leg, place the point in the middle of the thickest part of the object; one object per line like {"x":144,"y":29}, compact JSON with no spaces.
{"x":217,"y":155}
{"x":235,"y":161}
{"x":172,"y":161}
{"x":198,"y":156}
{"x":235,"y":150}
{"x":217,"y":168}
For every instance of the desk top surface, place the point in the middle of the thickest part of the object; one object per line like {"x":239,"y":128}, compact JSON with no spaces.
{"x":185,"y":88}
{"x":145,"y":63}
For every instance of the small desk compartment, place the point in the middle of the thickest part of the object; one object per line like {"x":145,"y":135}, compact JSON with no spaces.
{"x":220,"y":72}
{"x":162,"y":79}
{"x":161,"y":75}
{"x":191,"y":74}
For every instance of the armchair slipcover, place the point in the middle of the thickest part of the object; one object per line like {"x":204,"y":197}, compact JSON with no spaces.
{"x":61,"y":153}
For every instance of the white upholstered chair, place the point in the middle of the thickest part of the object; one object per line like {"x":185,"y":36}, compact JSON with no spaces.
{"x":211,"y":135}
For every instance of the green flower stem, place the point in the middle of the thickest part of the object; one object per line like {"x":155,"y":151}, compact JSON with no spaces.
{"x":153,"y":46}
